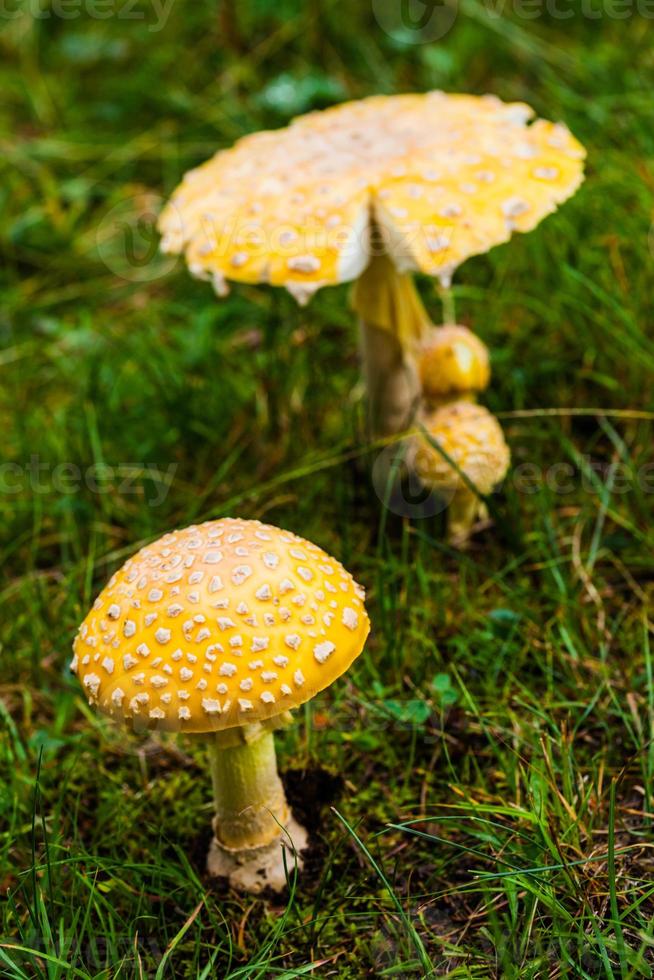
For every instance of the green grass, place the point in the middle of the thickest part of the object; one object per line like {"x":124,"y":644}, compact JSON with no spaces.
{"x":495,"y":744}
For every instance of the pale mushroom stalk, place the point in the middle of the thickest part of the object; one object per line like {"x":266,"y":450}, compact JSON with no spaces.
{"x":256,"y":838}
{"x":392,"y":321}
{"x":447,"y":301}
{"x":464,"y":510}
{"x":250,"y":805}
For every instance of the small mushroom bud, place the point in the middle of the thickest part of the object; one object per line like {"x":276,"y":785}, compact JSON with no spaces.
{"x":474,"y":455}
{"x":452,"y":363}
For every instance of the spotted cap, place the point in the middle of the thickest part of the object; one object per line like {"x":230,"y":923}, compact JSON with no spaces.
{"x":444,"y":177}
{"x":219,"y":625}
{"x":453,"y":359}
{"x":472,"y":438}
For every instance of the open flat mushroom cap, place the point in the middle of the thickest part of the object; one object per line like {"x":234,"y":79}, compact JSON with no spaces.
{"x":219,"y":625}
{"x":453,"y":359}
{"x":472,"y":438}
{"x":444,"y":177}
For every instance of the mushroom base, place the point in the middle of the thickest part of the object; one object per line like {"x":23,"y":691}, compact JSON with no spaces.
{"x":464,"y":510}
{"x":249,"y":800}
{"x":254,"y":868}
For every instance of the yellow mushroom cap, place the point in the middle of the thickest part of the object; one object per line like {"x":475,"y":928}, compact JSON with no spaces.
{"x":443,"y":176}
{"x":472,"y":438}
{"x":219,"y":625}
{"x":453,"y":359}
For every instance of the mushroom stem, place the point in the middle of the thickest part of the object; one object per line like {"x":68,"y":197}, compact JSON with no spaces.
{"x":447,"y":301}
{"x":393,"y":322}
{"x":464,"y":509}
{"x":390,"y":380}
{"x":250,"y":805}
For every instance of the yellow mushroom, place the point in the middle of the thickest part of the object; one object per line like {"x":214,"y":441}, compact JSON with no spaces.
{"x":373,"y":191}
{"x":452,"y":363}
{"x":471,"y":439}
{"x":221,"y":629}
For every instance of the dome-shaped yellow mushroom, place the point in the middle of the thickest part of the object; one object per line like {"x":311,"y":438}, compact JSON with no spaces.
{"x":221,"y":629}
{"x":474,"y":451}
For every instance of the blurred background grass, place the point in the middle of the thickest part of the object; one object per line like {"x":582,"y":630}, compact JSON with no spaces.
{"x":492,"y":750}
